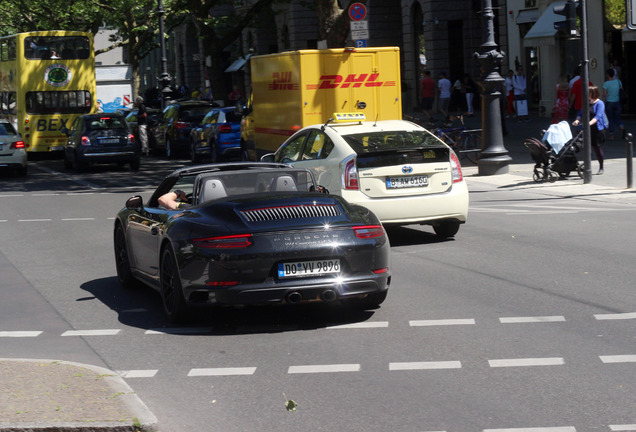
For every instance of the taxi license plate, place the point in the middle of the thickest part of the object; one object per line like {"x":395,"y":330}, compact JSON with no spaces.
{"x":309,"y":268}
{"x":406,"y":182}
{"x":109,"y":141}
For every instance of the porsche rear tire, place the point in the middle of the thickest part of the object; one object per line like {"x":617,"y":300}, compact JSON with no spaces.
{"x":174,"y":304}
{"x":122,"y":262}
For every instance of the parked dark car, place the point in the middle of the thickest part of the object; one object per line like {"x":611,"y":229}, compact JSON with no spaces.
{"x":172,"y":132}
{"x":100,"y":138}
{"x":254,"y":233}
{"x":154,"y":115}
{"x":218,"y":136}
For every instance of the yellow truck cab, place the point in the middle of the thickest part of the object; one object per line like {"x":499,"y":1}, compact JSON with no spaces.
{"x":294,"y":89}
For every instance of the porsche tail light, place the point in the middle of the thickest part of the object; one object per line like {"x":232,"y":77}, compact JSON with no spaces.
{"x":225,"y":128}
{"x":86,"y":141}
{"x":350,"y":176}
{"x":131,"y":139}
{"x":456,"y":168}
{"x":17,"y":145}
{"x":381,"y":270}
{"x":221,"y":283}
{"x":368,"y":231}
{"x":224,"y":242}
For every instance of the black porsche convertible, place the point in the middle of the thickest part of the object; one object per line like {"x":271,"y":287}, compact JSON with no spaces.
{"x":254,"y":233}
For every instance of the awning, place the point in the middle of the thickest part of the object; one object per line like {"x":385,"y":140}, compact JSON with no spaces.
{"x":527,"y":16}
{"x":238,"y":64}
{"x":543,"y":31}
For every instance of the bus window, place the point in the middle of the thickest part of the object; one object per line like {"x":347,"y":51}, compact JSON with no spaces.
{"x":54,"y":47}
{"x":52,"y":102}
{"x":10,"y":49}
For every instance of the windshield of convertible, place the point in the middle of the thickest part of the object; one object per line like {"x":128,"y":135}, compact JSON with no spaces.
{"x":369,"y":142}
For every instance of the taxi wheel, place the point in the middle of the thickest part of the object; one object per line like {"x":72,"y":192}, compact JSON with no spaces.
{"x":171,"y":291}
{"x":446,"y":229}
{"x":122,"y":263}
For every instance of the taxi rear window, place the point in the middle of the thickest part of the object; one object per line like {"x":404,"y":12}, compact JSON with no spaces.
{"x":371,"y":142}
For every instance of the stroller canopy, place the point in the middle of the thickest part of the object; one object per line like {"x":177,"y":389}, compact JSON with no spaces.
{"x":558,"y":135}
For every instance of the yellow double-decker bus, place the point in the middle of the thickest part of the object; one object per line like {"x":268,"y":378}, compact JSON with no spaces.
{"x":47,"y":79}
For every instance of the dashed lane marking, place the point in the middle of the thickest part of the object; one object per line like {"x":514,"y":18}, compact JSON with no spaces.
{"x":524,"y":362}
{"x":625,"y":427}
{"x":35,"y":220}
{"x":526,"y":320}
{"x":230,"y":371}
{"x":619,"y":358}
{"x":329,"y":368}
{"x":402,"y":366}
{"x":441,"y":322}
{"x":617,"y":316}
{"x":535,"y":429}
{"x":180,"y":331}
{"x":19,"y":334}
{"x":365,"y":325}
{"x":138,"y":373}
{"x":105,"y":332}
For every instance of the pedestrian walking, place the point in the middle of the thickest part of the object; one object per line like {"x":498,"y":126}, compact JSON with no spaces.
{"x":444,"y":88}
{"x":561,"y":101}
{"x":521,"y":98}
{"x":427,"y":93}
{"x":142,"y":123}
{"x":510,"y":95}
{"x":611,"y":95}
{"x":469,"y":88}
{"x":598,"y":124}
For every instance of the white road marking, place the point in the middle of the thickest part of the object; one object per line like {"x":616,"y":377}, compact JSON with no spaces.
{"x":138,"y":373}
{"x":616,"y":316}
{"x":180,"y":331}
{"x":618,"y":359}
{"x":521,"y":362}
{"x":222,"y":371}
{"x":535,"y":429}
{"x":11,"y":196}
{"x":78,"y":219}
{"x":35,"y":220}
{"x":441,"y":322}
{"x":307,"y":369}
{"x":368,"y":324}
{"x":538,"y":319}
{"x":19,"y":334}
{"x":625,"y":427}
{"x":425,"y":365}
{"x":105,"y":332}
{"x":44,"y":194}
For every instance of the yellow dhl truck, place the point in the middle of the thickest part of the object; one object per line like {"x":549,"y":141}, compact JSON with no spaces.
{"x":294,"y":89}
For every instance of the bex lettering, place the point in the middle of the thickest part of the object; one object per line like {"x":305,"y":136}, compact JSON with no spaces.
{"x":50,"y":125}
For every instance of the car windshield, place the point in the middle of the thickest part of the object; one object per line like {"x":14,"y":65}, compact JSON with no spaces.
{"x":105,"y":122}
{"x":7,"y":129}
{"x":390,"y":140}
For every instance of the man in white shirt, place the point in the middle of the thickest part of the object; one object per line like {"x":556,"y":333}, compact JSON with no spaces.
{"x":444,"y":87}
{"x":519,"y":89}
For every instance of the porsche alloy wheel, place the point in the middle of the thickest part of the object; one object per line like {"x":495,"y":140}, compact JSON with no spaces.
{"x":171,"y":292}
{"x":122,"y":263}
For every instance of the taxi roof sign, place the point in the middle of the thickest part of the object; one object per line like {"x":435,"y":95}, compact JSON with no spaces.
{"x":344,"y":117}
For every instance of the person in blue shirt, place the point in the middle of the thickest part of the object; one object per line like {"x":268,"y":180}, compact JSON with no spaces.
{"x":611,"y":96}
{"x":598,"y":124}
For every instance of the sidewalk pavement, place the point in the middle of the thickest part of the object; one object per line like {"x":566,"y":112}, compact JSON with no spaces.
{"x":60,"y":396}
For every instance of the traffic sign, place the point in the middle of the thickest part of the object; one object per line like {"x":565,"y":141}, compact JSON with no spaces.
{"x":359,"y":25}
{"x":359,"y":34}
{"x":361,"y":43}
{"x":357,"y":12}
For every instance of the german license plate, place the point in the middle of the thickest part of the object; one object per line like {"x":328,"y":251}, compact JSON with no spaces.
{"x":309,"y":268}
{"x":109,"y":141}
{"x":57,"y":148}
{"x":406,"y":182}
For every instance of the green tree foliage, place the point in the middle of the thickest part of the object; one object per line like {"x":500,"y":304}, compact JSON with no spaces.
{"x":615,"y":12}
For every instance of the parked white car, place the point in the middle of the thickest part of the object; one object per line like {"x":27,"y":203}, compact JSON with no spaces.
{"x":397,"y":169}
{"x":12,"y":149}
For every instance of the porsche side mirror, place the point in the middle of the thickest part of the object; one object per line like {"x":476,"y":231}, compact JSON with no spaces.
{"x":269,"y":157}
{"x":135,"y":203}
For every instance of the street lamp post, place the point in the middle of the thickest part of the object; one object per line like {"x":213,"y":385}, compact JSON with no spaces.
{"x":494,"y":157}
{"x":164,"y":79}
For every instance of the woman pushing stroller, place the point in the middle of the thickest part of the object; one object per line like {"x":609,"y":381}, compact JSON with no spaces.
{"x":598,"y":124}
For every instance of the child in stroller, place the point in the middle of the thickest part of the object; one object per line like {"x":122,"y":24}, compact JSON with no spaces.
{"x":556,"y":153}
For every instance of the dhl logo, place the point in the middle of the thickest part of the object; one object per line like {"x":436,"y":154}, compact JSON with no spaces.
{"x":283,"y":81}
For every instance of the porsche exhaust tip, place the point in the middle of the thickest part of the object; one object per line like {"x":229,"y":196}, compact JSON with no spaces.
{"x":294,"y":297}
{"x":328,"y":295}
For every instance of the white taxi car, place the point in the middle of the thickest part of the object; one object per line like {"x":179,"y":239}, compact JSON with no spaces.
{"x":397,"y":169}
{"x":12,"y":149}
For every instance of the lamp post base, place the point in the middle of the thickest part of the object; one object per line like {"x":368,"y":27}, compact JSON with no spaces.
{"x":494,"y":165}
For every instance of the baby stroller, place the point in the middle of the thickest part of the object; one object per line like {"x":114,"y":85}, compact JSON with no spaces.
{"x":556,"y":153}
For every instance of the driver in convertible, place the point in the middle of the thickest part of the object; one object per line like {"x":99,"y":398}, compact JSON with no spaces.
{"x":176,"y":200}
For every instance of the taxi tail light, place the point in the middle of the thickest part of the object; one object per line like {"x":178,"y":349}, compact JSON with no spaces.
{"x":86,"y":141}
{"x":456,"y":168}
{"x":351,"y":175}
{"x":225,"y":128}
{"x":368,"y":231}
{"x":224,"y":242}
{"x":17,"y":145}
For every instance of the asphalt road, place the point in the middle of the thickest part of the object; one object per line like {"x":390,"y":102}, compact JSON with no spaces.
{"x":524,"y":322}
